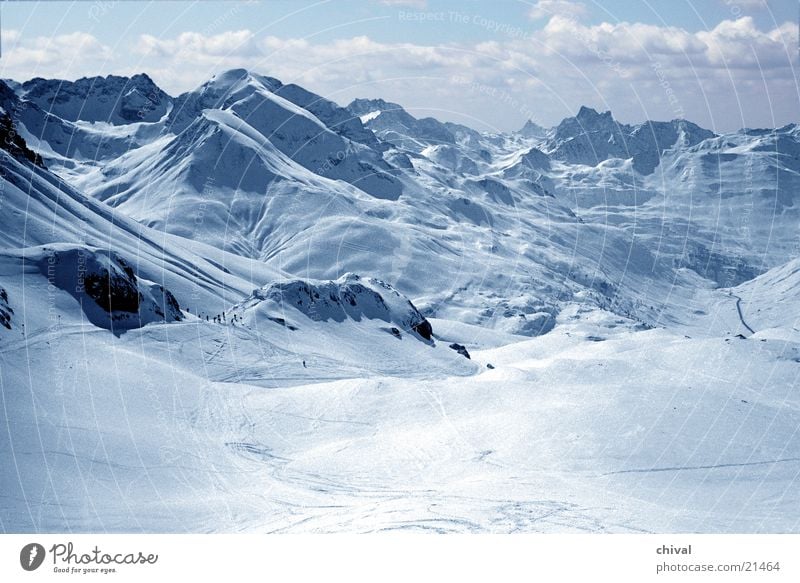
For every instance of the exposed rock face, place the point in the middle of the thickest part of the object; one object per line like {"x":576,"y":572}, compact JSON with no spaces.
{"x":12,"y":142}
{"x":424,"y":329}
{"x":114,"y":291}
{"x":5,"y":309}
{"x":461,"y":349}
{"x":107,"y":287}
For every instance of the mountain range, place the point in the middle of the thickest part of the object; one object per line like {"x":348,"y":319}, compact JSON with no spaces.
{"x":248,"y":307}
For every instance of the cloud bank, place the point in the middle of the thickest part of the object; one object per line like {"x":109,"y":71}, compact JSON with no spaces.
{"x":730,"y":76}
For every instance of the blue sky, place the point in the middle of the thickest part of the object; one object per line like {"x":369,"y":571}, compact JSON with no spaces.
{"x":723,"y":63}
{"x":332,"y":19}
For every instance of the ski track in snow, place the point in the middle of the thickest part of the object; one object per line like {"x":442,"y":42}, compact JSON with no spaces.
{"x":710,"y":467}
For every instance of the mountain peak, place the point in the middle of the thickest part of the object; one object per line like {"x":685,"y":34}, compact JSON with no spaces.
{"x":587,"y":113}
{"x":361,"y":106}
{"x":532,"y":129}
{"x":237,"y":73}
{"x":143,"y":79}
{"x":234,"y":77}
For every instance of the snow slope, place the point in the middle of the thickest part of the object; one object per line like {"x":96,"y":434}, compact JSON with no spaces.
{"x":42,"y":210}
{"x":770,"y":303}
{"x":642,"y":431}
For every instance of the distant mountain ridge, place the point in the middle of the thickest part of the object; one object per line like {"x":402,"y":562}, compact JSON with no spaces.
{"x":591,"y":137}
{"x":112,"y":99}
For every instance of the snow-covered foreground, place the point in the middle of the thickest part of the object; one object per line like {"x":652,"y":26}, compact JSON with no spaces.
{"x":192,"y":426}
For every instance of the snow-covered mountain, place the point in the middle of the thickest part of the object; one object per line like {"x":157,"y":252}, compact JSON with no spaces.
{"x":112,"y":99}
{"x":590,"y":138}
{"x":266,"y":300}
{"x":270,"y":113}
{"x":394,"y":125}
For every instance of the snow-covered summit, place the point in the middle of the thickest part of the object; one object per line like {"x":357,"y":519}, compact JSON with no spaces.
{"x":219,"y":92}
{"x":532,"y":130}
{"x":272,"y":111}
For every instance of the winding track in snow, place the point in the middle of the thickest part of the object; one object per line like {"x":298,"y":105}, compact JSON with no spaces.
{"x":741,"y":317}
{"x":707,"y":467}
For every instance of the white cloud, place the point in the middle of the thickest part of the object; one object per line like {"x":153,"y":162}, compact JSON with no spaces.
{"x":9,"y":36}
{"x":51,"y":55}
{"x":626,"y":42}
{"x":637,"y":70}
{"x":561,"y":8}
{"x":739,"y":44}
{"x":238,"y":43}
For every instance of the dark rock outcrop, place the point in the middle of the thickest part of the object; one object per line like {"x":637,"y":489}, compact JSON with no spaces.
{"x":5,"y":309}
{"x":424,"y":329}
{"x":461,"y":349}
{"x":106,"y":286}
{"x":12,"y":142}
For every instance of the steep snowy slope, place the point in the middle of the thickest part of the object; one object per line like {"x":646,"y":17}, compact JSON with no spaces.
{"x":335,"y":118}
{"x":40,"y":209}
{"x":222,"y":180}
{"x":771,"y":301}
